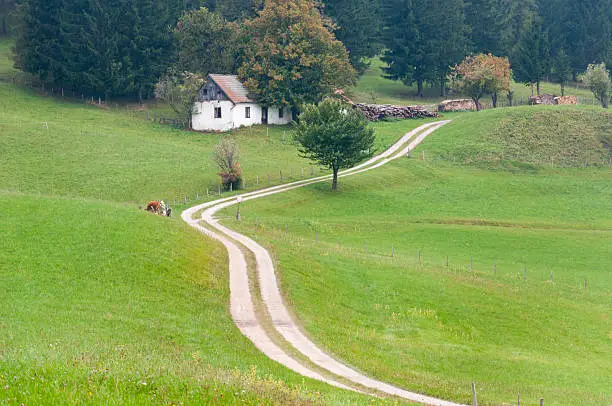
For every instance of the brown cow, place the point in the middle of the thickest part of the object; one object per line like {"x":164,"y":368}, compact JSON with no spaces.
{"x":154,"y":206}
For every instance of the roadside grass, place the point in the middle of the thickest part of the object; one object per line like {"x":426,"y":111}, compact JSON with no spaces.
{"x":435,"y":329}
{"x":103,"y":303}
{"x":373,"y":88}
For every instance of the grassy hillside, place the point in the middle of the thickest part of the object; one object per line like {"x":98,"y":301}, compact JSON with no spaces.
{"x":373,"y":88}
{"x":101,"y":302}
{"x":427,"y":326}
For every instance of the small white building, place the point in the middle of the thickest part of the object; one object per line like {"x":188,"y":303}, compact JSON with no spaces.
{"x":224,"y":103}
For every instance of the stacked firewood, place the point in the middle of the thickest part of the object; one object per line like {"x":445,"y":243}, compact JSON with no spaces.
{"x":376,"y":112}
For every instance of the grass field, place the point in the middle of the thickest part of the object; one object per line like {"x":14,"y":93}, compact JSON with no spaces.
{"x":102,"y":303}
{"x":434,"y":328}
{"x":373,"y":88}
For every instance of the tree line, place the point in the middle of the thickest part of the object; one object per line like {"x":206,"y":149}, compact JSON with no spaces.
{"x":117,"y":48}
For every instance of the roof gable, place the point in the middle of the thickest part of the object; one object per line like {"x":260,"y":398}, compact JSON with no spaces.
{"x":232,"y":87}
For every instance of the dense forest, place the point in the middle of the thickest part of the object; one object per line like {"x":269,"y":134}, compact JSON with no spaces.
{"x":121,"y":48}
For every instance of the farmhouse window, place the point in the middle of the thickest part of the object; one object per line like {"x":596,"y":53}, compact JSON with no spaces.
{"x":247,"y":112}
{"x":217,"y":112}
{"x":204,"y":92}
{"x":281,"y":113}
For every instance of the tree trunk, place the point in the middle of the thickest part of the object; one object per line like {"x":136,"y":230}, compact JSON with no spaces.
{"x":335,"y":181}
{"x":442,"y":87}
{"x":420,"y":88}
{"x":538,"y":87}
{"x":494,"y":99}
{"x":531,"y":84}
{"x":604,"y":99}
{"x":562,"y":88}
{"x":477,"y":103}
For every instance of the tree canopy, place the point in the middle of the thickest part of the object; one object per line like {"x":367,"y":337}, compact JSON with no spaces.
{"x":480,"y":75}
{"x":335,"y":135}
{"x":291,"y":58}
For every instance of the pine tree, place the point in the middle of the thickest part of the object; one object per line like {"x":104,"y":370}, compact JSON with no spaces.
{"x":206,"y":43}
{"x":562,"y":69}
{"x":531,"y":60}
{"x":358,"y":27}
{"x":423,"y":39}
{"x":404,"y":47}
{"x":38,"y":45}
{"x":490,"y":24}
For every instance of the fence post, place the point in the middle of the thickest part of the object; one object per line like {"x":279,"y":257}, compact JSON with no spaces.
{"x":519,"y":399}
{"x":281,"y":174}
{"x":524,"y":272}
{"x":475,"y":402}
{"x":471,"y":267}
{"x":392,"y":251}
{"x":419,"y":256}
{"x":219,"y":187}
{"x":258,"y":179}
{"x":495,"y":268}
{"x":541,"y":401}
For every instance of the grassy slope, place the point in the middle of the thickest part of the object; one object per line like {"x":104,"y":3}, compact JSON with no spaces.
{"x":102,"y":303}
{"x":372,"y":87}
{"x":435,"y":328}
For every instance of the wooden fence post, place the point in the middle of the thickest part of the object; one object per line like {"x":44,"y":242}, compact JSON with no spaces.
{"x":475,"y":401}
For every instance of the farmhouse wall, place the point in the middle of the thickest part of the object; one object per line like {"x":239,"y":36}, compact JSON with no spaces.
{"x":204,"y":117}
{"x":239,"y":114}
{"x":274,"y":116}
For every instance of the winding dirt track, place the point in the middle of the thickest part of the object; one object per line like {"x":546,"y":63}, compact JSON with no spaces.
{"x":242,"y":307}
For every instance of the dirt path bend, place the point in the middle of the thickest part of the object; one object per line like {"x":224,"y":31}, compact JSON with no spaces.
{"x":242,"y":307}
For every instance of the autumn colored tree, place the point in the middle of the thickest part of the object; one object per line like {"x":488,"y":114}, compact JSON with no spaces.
{"x":335,"y":135}
{"x":480,"y":75}
{"x":290,"y":57}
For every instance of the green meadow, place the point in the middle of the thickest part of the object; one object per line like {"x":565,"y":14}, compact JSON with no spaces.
{"x":102,"y":303}
{"x":483,"y":263}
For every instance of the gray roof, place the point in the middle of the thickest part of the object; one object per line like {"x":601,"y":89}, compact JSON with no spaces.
{"x":232,"y":87}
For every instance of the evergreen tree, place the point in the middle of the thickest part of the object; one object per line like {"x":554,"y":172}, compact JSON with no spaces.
{"x":562,"y":69}
{"x":7,"y":11}
{"x":445,"y":37}
{"x":38,"y":45}
{"x":206,"y":43}
{"x":490,"y":24}
{"x":423,"y":39}
{"x":531,"y":61}
{"x":358,"y":27}
{"x":404,"y":47}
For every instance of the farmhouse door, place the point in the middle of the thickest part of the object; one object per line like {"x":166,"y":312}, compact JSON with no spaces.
{"x":264,"y":115}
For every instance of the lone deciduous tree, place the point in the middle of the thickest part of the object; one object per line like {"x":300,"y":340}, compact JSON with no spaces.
{"x":480,"y":75}
{"x":226,"y":157}
{"x":291,"y":57}
{"x":598,"y":80}
{"x":335,"y":135}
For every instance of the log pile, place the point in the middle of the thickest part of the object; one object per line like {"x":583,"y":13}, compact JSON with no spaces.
{"x":566,"y":100}
{"x":377,"y":112}
{"x":457,"y":105}
{"x":545,"y":99}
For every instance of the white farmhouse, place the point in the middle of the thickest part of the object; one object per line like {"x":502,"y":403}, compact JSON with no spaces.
{"x":224,"y":103}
